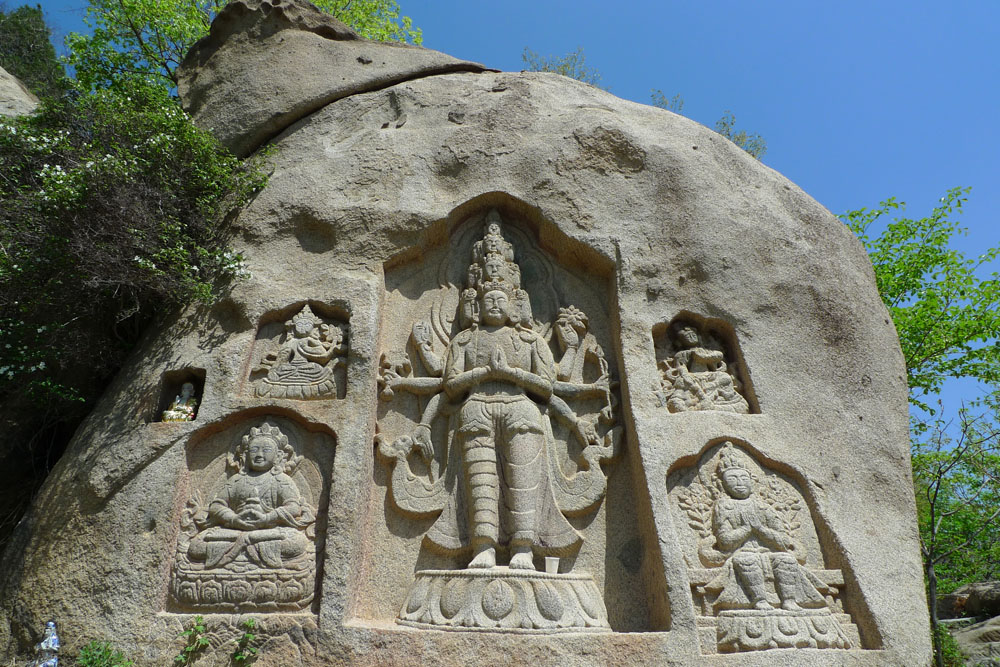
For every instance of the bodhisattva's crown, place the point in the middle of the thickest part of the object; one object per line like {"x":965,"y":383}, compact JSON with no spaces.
{"x":731,"y":458}
{"x":306,"y":314}
{"x":493,"y":266}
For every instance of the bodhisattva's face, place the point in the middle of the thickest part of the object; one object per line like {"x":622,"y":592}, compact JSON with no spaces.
{"x":493,"y":267}
{"x":261,"y":454}
{"x":496,"y":308}
{"x":688,"y":336}
{"x":187,"y":390}
{"x":737,"y":483}
{"x":303,"y":328}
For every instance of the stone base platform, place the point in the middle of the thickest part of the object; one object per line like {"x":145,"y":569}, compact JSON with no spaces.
{"x":503,"y":600}
{"x":245,"y":590}
{"x":755,"y":630}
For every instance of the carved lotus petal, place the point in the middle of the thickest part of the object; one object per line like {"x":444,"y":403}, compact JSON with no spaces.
{"x":211,"y":592}
{"x":265,"y":591}
{"x":498,"y":599}
{"x":418,"y":595}
{"x":236,"y":591}
{"x":549,"y":601}
{"x":453,"y":597}
{"x":590,"y":601}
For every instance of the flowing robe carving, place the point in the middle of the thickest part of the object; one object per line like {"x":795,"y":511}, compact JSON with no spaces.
{"x":500,"y":435}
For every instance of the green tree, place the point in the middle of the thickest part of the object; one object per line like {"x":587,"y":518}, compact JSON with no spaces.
{"x":151,"y":37}
{"x":947,"y":317}
{"x":573,"y":65}
{"x":945,"y":308}
{"x":754,"y":144}
{"x":957,"y":482}
{"x":26,"y":51}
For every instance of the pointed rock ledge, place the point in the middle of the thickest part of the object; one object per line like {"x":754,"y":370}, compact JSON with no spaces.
{"x":268,"y":63}
{"x":15,"y":98}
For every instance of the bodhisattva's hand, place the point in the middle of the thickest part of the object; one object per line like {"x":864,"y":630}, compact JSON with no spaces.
{"x":499,"y":365}
{"x":421,"y":333}
{"x":422,"y":441}
{"x":251,"y":518}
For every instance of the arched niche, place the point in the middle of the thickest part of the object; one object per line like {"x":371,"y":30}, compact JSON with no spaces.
{"x":251,"y":534}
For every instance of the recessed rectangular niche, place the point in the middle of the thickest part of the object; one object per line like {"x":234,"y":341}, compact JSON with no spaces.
{"x":701,"y":366}
{"x":180,"y":395}
{"x":300,"y":353}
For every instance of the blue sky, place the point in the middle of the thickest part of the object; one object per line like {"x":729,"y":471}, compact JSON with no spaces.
{"x":858,"y":101}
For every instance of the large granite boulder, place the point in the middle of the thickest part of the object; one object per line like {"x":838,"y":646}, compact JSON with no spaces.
{"x":15,"y":98}
{"x":979,"y":641}
{"x":521,"y":369}
{"x":984,"y":599}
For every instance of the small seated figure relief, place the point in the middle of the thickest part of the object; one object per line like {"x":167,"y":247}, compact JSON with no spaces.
{"x":183,"y":407}
{"x":758,"y":581}
{"x":755,"y":542}
{"x":696,"y":374}
{"x":304,"y":362}
{"x":259,"y":529}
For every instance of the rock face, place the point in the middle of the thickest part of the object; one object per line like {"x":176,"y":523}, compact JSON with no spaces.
{"x":979,"y":641}
{"x":984,"y":599}
{"x":15,"y":99}
{"x":521,"y":369}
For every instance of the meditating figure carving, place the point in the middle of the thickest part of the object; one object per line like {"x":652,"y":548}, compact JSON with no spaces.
{"x":697,"y":376}
{"x":258,"y":526}
{"x":754,"y":581}
{"x":183,"y":407}
{"x":757,"y":545}
{"x":304,"y":362}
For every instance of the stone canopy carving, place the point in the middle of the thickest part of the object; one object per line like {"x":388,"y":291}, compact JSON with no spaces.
{"x":755,"y":582}
{"x":697,"y":371}
{"x":302,"y":362}
{"x":252,"y":546}
{"x":499,"y":387}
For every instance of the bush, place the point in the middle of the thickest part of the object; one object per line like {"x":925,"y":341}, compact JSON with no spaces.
{"x":114,"y":207}
{"x":102,"y":654}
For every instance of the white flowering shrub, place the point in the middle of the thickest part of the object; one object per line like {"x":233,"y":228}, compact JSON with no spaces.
{"x":113,"y":208}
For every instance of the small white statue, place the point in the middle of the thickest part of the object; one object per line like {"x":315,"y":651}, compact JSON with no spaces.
{"x":48,"y":648}
{"x":183,"y":407}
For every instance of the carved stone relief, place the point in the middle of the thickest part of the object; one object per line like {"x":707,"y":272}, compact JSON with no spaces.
{"x":303,"y":360}
{"x":699,"y":369}
{"x":755,"y":563}
{"x":248,"y":532}
{"x":480,"y":452}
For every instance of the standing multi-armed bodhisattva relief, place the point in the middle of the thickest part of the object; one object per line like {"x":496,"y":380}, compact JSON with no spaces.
{"x":698,"y":370}
{"x":302,"y":362}
{"x":756,"y":567}
{"x":251,"y":546}
{"x":501,"y":492}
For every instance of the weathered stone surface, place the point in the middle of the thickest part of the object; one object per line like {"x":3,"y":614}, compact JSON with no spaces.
{"x":632,"y":215}
{"x":267,"y":63}
{"x":15,"y":99}
{"x":984,"y":599}
{"x":979,"y":641}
